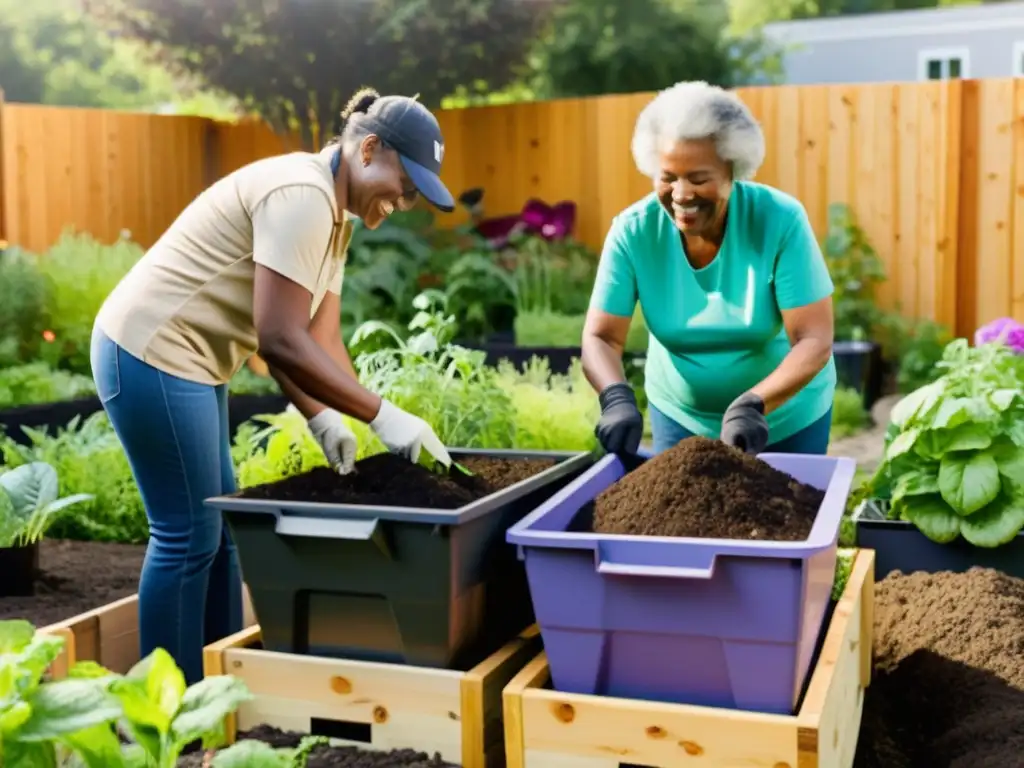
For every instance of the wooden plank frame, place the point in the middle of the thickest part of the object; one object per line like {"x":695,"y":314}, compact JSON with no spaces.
{"x":109,"y":635}
{"x":458,"y":714}
{"x":548,"y":729}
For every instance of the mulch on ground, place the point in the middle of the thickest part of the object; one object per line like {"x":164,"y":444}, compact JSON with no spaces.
{"x":331,"y":757}
{"x":77,"y":576}
{"x":389,"y":480}
{"x":948,"y":687}
{"x":702,"y":488}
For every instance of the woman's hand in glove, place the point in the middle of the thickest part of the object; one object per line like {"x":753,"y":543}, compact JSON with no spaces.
{"x":405,"y":434}
{"x":621,"y":424}
{"x":744,"y":425}
{"x":336,"y":440}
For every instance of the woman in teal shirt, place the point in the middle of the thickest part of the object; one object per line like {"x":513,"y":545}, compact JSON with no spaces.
{"x":731,"y":283}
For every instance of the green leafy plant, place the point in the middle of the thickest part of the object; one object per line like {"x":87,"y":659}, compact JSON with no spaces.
{"x":848,"y":413}
{"x":250,"y":753}
{"x":954,"y":457}
{"x":36,"y":383}
{"x":248,"y":382}
{"x":72,"y":721}
{"x":80,"y":272}
{"x":22,"y":307}
{"x":89,"y":459}
{"x":856,"y":272}
{"x":29,"y":503}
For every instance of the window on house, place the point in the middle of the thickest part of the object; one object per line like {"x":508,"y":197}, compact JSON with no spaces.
{"x":945,"y":64}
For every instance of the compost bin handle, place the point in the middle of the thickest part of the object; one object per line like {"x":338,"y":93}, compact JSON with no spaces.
{"x":324,"y":528}
{"x":702,"y":571}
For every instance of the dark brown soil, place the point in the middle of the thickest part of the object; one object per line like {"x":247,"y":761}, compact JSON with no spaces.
{"x":702,"y":488}
{"x":948,"y":689}
{"x":389,"y":480}
{"x":332,"y":757}
{"x":77,"y":576}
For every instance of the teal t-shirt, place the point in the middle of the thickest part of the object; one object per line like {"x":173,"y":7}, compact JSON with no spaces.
{"x":716,"y":332}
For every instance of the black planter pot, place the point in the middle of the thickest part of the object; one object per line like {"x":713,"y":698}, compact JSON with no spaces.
{"x":53,"y":416}
{"x":18,"y":566}
{"x":900,"y":546}
{"x":859,"y":366}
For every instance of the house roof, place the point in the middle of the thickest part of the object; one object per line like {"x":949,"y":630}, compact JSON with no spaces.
{"x":924,"y":21}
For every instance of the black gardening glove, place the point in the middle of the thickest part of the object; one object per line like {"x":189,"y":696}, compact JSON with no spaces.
{"x":621,"y":424}
{"x":744,"y":425}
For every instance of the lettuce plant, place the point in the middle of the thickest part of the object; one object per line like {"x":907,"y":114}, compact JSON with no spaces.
{"x":954,"y":456}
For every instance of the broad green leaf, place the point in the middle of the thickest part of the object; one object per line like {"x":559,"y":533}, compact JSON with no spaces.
{"x":134,"y":756}
{"x":87,"y":670}
{"x":206,"y":704}
{"x":252,"y":754}
{"x":33,"y":755}
{"x":1002,"y":399}
{"x":917,"y":482}
{"x":97,"y":747}
{"x":15,"y":635}
{"x":1010,"y":459}
{"x":995,"y":525}
{"x":1015,"y":431}
{"x":970,"y":437}
{"x":13,"y":715}
{"x":30,"y":487}
{"x":33,"y":660}
{"x":165,"y":682}
{"x":66,"y":706}
{"x":917,"y":404}
{"x":902,"y":443}
{"x":969,"y":481}
{"x":953,"y":412}
{"x":139,"y":709}
{"x":932,"y":516}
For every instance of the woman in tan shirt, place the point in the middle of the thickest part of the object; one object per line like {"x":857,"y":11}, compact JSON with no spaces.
{"x":254,"y":263}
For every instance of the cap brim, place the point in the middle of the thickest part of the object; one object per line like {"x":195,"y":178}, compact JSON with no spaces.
{"x":429,"y":185}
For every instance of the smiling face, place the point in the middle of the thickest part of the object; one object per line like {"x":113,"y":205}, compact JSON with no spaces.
{"x":378,"y":184}
{"x":693,"y":185}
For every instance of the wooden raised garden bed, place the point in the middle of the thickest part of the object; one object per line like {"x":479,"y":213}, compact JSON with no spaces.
{"x":548,"y":729}
{"x":373,"y":705}
{"x":109,"y":635}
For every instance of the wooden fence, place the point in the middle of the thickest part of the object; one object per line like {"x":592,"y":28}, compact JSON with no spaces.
{"x":934,"y":172}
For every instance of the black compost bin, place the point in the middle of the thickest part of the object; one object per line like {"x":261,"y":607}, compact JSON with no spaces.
{"x":900,"y":546}
{"x":419,"y":586}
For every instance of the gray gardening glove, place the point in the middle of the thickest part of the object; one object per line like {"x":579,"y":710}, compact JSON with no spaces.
{"x":336,"y":440}
{"x":621,"y":424}
{"x":744,"y":425}
{"x":405,"y":435}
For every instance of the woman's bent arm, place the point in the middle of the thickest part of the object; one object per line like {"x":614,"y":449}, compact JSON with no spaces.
{"x":810,"y":332}
{"x":604,"y":339}
{"x":281,"y":317}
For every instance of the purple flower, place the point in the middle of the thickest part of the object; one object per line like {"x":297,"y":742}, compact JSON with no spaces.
{"x":1005,"y":329}
{"x":552,"y":222}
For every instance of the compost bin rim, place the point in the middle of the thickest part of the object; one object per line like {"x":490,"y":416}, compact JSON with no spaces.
{"x":818,"y":540}
{"x":568,"y":461}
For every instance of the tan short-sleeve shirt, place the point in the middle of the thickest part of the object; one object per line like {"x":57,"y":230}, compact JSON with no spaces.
{"x":186,"y":308}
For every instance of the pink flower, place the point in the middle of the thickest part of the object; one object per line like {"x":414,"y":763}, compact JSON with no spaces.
{"x":49,"y":337}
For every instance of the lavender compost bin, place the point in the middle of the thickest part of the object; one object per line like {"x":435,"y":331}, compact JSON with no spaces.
{"x":712,"y":622}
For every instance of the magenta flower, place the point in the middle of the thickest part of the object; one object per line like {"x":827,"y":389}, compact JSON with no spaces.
{"x":1005,"y":329}
{"x":552,"y":222}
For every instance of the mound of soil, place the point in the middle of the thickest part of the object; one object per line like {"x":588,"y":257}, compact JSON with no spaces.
{"x":75,"y":577}
{"x":948,"y":688}
{"x":391,"y":481}
{"x":703,"y":488}
{"x":331,"y":757}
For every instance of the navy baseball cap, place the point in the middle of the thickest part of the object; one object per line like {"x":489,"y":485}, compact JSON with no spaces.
{"x":411,"y":130}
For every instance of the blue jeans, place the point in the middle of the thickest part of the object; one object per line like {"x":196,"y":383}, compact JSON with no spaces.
{"x":175,"y":434}
{"x":812,"y":439}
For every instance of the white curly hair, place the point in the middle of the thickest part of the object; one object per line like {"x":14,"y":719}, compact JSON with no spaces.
{"x":695,"y":110}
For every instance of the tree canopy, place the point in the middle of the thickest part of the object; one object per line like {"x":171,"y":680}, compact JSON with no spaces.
{"x":296,"y":62}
